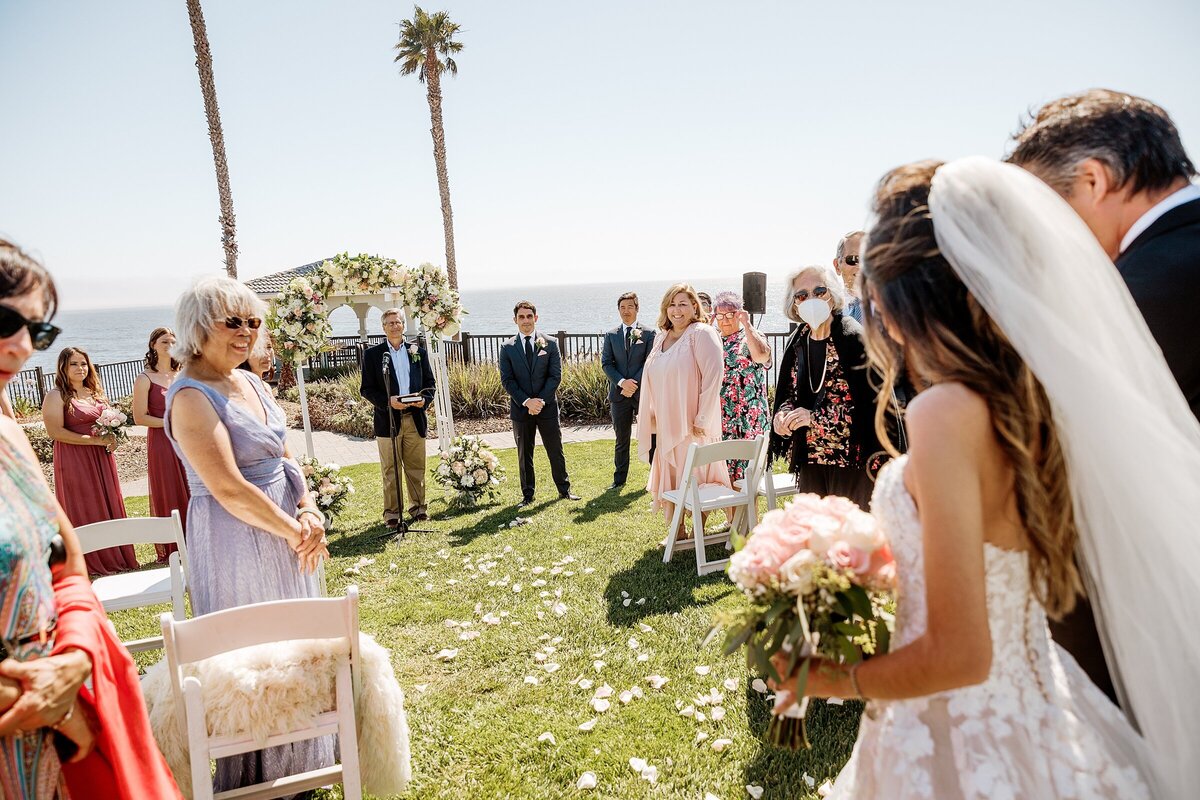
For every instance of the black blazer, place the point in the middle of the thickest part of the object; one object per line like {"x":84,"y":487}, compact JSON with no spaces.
{"x":1161,"y":267}
{"x":521,"y":384}
{"x":374,"y":390}
{"x":619,"y":365}
{"x":847,"y":336}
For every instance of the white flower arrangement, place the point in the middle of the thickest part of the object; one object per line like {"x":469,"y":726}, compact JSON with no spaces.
{"x":299,"y":321}
{"x":363,"y":274}
{"x":331,"y":488}
{"x":426,"y":290}
{"x":469,"y":470}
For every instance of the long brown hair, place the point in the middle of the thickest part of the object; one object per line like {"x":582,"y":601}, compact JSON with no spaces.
{"x":152,"y":354}
{"x":948,"y":336}
{"x":63,"y":383}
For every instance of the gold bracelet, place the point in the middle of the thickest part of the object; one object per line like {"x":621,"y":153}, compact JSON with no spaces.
{"x":854,"y":680}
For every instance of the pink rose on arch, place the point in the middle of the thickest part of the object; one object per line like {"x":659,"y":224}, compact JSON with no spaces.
{"x":842,"y":556}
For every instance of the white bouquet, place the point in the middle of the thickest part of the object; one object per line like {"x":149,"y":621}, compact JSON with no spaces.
{"x":469,"y":471}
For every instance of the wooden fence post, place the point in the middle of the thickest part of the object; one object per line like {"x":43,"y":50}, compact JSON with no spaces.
{"x":466,"y":348}
{"x":41,"y":386}
{"x":562,"y":344}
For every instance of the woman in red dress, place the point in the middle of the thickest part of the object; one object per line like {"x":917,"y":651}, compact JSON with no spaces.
{"x":85,"y":472}
{"x":168,"y":483}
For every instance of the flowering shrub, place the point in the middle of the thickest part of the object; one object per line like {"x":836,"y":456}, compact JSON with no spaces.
{"x":469,"y":470}
{"x":331,"y":487}
{"x":362,"y":274}
{"x":299,"y":321}
{"x":426,"y":290}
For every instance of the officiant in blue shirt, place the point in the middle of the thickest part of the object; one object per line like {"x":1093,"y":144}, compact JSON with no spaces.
{"x":623,"y":357}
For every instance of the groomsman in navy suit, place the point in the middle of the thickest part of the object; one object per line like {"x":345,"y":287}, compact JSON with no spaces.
{"x":624,"y":355}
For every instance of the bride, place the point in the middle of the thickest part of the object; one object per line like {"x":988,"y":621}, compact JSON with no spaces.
{"x":1051,"y":426}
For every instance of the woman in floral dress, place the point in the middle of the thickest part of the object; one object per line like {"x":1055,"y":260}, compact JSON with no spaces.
{"x":744,"y":413}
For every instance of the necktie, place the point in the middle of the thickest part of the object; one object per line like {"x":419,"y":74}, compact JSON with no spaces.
{"x":628,"y":337}
{"x":529,"y":353}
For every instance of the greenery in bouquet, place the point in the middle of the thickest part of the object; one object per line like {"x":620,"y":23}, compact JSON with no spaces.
{"x":112,"y":422}
{"x":469,"y":470}
{"x":362,"y":274}
{"x":426,"y":290}
{"x":331,"y":488}
{"x":299,"y":321}
{"x":819,"y":578}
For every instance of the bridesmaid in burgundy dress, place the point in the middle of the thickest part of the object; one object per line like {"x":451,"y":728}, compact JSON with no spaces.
{"x":85,"y":472}
{"x":168,"y":483}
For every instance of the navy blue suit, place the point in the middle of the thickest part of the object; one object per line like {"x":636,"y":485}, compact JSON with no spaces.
{"x":620,"y":363}
{"x":524,"y":380}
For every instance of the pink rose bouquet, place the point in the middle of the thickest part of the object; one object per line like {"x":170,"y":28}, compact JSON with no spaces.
{"x":820,"y":579}
{"x":111,"y":422}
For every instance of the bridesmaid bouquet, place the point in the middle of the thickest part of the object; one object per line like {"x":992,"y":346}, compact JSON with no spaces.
{"x":111,"y":422}
{"x":469,"y":470}
{"x":326,"y":481}
{"x":820,"y":579}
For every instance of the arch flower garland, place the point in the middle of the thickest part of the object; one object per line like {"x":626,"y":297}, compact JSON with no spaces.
{"x":426,"y":290}
{"x":299,"y":321}
{"x":362,"y":274}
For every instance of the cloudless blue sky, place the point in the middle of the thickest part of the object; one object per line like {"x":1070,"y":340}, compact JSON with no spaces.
{"x":587,"y":141}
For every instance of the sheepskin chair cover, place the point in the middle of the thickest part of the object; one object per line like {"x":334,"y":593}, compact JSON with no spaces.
{"x":283,"y":686}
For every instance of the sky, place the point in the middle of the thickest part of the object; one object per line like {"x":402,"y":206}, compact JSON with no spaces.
{"x":587,"y":142}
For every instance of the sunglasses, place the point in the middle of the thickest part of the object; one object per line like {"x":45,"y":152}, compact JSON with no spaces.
{"x":729,"y":315}
{"x":233,"y":323}
{"x":802,"y":294}
{"x":42,"y":334}
{"x":851,"y":260}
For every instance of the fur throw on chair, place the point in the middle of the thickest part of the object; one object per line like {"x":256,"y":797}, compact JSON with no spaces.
{"x":284,"y":686}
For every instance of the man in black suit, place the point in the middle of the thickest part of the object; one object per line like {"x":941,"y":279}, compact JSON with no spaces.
{"x":391,"y":371}
{"x":623,"y":356}
{"x":1120,"y":163}
{"x":531,"y":369}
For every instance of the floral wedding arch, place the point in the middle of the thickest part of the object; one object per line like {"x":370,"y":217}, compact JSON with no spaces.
{"x":299,"y":317}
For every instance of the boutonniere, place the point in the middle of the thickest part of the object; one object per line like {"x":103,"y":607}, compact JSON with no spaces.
{"x":414,"y":353}
{"x":540,"y":343}
{"x":635,"y":335}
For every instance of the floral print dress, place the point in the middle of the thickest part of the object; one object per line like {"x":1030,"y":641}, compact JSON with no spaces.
{"x":744,"y":413}
{"x":829,"y":441}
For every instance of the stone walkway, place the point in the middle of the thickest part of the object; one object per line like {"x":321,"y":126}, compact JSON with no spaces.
{"x":347,"y":450}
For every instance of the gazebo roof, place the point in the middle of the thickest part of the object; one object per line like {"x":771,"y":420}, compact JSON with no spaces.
{"x":276,"y":282}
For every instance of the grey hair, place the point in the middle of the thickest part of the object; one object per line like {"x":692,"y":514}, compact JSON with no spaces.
{"x":841,"y":248}
{"x":731,"y":299}
{"x":199,"y":308}
{"x":828,"y":276}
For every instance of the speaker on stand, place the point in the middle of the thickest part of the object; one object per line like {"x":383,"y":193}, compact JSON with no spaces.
{"x":754,"y":293}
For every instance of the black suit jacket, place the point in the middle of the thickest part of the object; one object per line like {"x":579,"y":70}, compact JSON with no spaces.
{"x":1162,"y":269}
{"x":619,"y":365}
{"x":377,"y":392}
{"x":522,"y":384}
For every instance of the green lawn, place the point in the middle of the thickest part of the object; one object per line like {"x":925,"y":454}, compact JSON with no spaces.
{"x":476,"y":722}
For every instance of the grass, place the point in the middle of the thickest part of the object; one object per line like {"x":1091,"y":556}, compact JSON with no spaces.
{"x":475,"y":722}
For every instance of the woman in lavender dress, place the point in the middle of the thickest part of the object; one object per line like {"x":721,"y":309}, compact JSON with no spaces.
{"x":254,"y":533}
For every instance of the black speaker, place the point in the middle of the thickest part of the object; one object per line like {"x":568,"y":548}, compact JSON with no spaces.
{"x":754,"y":292}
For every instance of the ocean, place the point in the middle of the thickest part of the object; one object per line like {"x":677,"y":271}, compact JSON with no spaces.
{"x":120,"y":334}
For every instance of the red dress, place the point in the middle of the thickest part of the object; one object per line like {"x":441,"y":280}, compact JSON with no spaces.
{"x":88,"y":488}
{"x":168,"y":483}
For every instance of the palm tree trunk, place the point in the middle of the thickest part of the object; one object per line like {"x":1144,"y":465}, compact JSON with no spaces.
{"x":208,"y":89}
{"x":433,"y":85}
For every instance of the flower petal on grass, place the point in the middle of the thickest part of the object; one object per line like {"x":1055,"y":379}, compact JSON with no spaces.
{"x":600,"y":705}
{"x":551,"y":667}
{"x":644,"y":628}
{"x":717,"y":714}
{"x":759,"y":685}
{"x":446,"y":654}
{"x":547,"y":737}
{"x":591,"y":723}
{"x":720,"y":744}
{"x":730,"y":684}
{"x":703,"y":670}
{"x":532,"y":680}
{"x":754,"y":790}
{"x":604,"y":691}
{"x":586,"y":781}
{"x":657,"y":681}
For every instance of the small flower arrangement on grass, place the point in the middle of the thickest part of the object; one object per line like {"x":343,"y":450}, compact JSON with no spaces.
{"x":112,"y":422}
{"x":469,"y":471}
{"x":820,"y":579}
{"x":326,"y":481}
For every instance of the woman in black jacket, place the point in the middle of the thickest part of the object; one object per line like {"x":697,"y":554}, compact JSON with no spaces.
{"x":824,"y":413}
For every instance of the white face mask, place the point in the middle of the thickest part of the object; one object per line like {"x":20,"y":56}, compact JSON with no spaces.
{"x":814,"y":311}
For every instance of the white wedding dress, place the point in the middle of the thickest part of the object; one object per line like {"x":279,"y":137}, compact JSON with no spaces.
{"x":1036,"y":728}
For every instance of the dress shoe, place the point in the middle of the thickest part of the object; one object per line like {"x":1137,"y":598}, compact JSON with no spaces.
{"x":615,"y":486}
{"x":568,"y":496}
{"x":525,"y":502}
{"x":420,"y":517}
{"x":391,"y":523}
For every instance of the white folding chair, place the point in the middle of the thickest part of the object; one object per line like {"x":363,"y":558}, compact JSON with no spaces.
{"x":203,"y":637}
{"x":701,"y":499}
{"x":774,"y":485}
{"x":147,"y":587}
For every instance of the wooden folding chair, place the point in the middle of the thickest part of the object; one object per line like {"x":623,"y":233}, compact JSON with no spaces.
{"x":203,"y":637}
{"x":700,"y":499}
{"x":147,"y":587}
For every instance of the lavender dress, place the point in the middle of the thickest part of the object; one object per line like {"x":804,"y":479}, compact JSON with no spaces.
{"x":235,"y":564}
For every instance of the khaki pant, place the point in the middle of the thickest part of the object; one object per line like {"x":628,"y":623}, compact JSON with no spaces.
{"x":411,"y":458}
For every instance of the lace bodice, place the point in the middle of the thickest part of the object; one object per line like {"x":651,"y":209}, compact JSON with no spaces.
{"x":1036,"y":727}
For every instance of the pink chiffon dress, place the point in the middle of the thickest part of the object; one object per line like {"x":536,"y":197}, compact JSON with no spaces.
{"x":681,"y":388}
{"x":168,"y":482}
{"x":88,"y":488}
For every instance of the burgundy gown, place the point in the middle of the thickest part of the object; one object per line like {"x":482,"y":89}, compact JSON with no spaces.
{"x":168,"y":483}
{"x":88,"y":488}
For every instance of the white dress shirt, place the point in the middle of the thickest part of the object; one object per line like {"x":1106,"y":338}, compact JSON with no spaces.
{"x":1185,"y":195}
{"x":400,"y":366}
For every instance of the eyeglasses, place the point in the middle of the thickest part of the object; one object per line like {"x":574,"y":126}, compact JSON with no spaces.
{"x":233,"y":323}
{"x":729,"y":315}
{"x":802,"y":294}
{"x":42,"y":334}
{"x":852,"y":260}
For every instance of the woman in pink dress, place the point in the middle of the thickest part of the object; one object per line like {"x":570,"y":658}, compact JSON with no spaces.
{"x":681,"y":395}
{"x":85,"y":472}
{"x":168,"y":483}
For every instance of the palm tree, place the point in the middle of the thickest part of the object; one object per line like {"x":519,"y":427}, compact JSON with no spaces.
{"x":426,"y":44}
{"x":208,"y":88}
